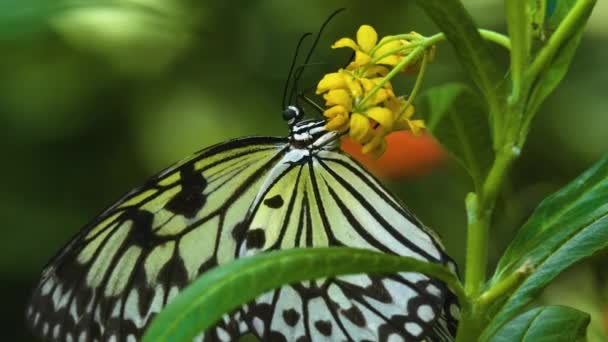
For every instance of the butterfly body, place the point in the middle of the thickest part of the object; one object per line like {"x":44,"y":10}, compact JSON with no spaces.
{"x":236,"y":199}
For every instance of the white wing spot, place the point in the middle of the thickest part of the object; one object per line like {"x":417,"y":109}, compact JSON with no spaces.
{"x":222,"y":334}
{"x":413,"y":328}
{"x":56,"y":331}
{"x":425,"y":312}
{"x":36,"y":318}
{"x":45,"y":328}
{"x":455,"y":311}
{"x":395,"y":338}
{"x":68,"y":337}
{"x":433,"y":290}
{"x":258,"y":324}
{"x":131,"y":338}
{"x":47,"y":287}
{"x":73,"y":310}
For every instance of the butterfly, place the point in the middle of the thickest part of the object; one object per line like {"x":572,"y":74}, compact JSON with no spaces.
{"x":237,"y":199}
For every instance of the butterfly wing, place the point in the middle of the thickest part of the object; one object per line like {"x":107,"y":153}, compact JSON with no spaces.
{"x":327,"y":199}
{"x":125,"y":266}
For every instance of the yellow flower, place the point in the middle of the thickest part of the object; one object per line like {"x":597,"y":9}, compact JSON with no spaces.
{"x":366,"y":40}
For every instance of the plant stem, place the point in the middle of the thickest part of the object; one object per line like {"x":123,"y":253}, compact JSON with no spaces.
{"x":519,"y":32}
{"x":505,"y":286}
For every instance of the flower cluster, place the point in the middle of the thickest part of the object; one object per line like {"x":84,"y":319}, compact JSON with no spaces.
{"x":360,"y":97}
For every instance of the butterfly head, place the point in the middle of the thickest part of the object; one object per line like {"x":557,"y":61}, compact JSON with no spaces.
{"x":292,"y":115}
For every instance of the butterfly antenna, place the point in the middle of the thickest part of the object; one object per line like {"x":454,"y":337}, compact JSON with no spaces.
{"x":291,"y":68}
{"x":298,"y":73}
{"x":311,"y":102}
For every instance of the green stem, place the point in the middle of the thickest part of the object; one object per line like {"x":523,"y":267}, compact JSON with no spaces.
{"x":519,"y":32}
{"x":479,"y":213}
{"x":396,"y":69}
{"x":417,"y":85}
{"x":488,"y":35}
{"x":564,"y":31}
{"x":505,"y":286}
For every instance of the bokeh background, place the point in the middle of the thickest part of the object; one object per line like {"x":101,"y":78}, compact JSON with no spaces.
{"x":96,"y":96}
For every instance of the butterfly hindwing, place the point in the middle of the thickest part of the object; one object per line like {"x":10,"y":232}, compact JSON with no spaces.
{"x":327,"y":199}
{"x":126,"y":265}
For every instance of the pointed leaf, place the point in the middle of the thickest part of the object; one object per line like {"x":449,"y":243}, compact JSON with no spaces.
{"x":457,"y":118}
{"x":473,"y":53}
{"x":567,"y":227}
{"x":227,"y":287}
{"x":544,"y":324}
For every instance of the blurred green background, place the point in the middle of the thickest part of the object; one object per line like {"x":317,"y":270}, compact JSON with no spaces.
{"x":96,"y":96}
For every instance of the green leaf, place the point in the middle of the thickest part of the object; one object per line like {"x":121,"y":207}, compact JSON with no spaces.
{"x":472,"y":51}
{"x":229,"y":286}
{"x":457,"y":118}
{"x":550,"y":77}
{"x":567,"y":227}
{"x":545,"y":324}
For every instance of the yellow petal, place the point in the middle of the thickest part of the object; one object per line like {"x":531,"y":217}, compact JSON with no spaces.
{"x":416,"y":126}
{"x":388,"y":47}
{"x":359,"y":127}
{"x":361,"y":58}
{"x":383,"y":116}
{"x":367,"y":84}
{"x":376,"y":146}
{"x":380,"y":96}
{"x":335,"y":111}
{"x":376,"y":70}
{"x":334,"y":80}
{"x":366,"y":37}
{"x":337,"y":123}
{"x":345,"y":42}
{"x":390,"y":60}
{"x":338,"y":97}
{"x":354,"y":86}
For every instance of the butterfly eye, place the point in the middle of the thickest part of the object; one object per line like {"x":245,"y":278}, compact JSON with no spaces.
{"x":291,"y":114}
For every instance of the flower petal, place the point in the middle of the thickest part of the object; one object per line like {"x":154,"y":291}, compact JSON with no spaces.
{"x":416,"y":126}
{"x":361,"y":58}
{"x":338,"y":97}
{"x":337,"y":123}
{"x":334,"y":80}
{"x":387,"y":47}
{"x":383,"y":116}
{"x":359,"y":127}
{"x":366,"y":37}
{"x":390,"y":60}
{"x":376,"y":70}
{"x":335,"y":111}
{"x":376,"y":146}
{"x":353,"y":85}
{"x":345,"y":42}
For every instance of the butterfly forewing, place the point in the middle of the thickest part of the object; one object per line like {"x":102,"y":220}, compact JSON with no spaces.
{"x":126,"y":265}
